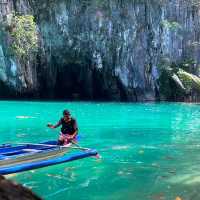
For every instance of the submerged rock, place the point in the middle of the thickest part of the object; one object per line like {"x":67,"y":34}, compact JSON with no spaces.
{"x":13,"y":191}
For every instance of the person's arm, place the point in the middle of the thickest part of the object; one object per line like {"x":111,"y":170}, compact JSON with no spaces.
{"x":55,"y":126}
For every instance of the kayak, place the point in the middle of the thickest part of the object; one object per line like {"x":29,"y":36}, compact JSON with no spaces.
{"x":27,"y":156}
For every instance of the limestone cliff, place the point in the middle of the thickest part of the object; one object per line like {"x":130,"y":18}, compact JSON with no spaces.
{"x":99,"y":49}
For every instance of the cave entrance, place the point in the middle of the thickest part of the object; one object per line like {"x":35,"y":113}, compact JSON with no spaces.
{"x":6,"y":91}
{"x":73,"y":83}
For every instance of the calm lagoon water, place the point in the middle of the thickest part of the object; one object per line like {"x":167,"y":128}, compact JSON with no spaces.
{"x":149,"y":151}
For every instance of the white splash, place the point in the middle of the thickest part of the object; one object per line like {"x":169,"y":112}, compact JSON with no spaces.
{"x":24,"y":117}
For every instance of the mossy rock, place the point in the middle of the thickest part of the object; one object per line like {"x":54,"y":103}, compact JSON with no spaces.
{"x":189,"y":81}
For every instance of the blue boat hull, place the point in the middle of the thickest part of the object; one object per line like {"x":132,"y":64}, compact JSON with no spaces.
{"x":45,"y":163}
{"x":15,"y":159}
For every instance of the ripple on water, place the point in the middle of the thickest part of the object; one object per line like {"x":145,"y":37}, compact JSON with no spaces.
{"x":121,"y":147}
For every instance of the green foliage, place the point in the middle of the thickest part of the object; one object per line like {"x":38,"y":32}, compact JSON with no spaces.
{"x":173,"y":25}
{"x":185,"y":79}
{"x":103,"y":4}
{"x":24,"y":35}
{"x":178,"y":80}
{"x":189,"y":66}
{"x":164,"y":83}
{"x":189,"y":80}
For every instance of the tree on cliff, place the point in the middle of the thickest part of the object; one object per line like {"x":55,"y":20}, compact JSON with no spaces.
{"x":24,"y":36}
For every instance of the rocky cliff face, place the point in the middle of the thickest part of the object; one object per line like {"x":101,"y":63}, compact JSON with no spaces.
{"x":100,"y":50}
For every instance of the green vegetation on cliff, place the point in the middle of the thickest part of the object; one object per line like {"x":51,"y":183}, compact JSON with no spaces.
{"x":178,"y":81}
{"x":24,"y":36}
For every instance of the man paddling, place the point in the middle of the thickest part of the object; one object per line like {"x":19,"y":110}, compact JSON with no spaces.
{"x":69,"y":129}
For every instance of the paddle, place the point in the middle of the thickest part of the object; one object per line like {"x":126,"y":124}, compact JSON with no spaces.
{"x":73,"y":142}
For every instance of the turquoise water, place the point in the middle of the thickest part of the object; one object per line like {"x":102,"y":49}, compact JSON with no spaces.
{"x":149,"y":151}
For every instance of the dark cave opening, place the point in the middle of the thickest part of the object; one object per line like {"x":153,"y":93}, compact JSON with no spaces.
{"x":80,"y":82}
{"x":73,"y":82}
